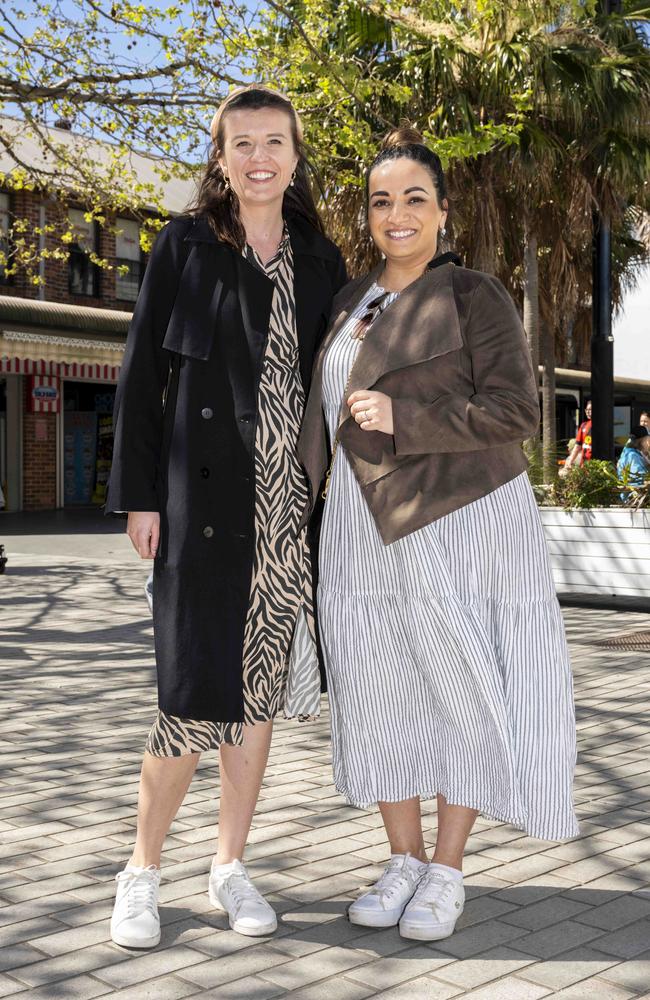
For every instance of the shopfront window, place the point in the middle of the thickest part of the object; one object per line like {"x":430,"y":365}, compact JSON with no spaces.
{"x":127,"y":255}
{"x":83,"y":275}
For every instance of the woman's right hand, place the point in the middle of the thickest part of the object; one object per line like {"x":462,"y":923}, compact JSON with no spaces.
{"x":143,"y":528}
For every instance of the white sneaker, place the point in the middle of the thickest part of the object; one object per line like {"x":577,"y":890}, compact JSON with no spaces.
{"x":135,"y":922}
{"x":436,"y":906}
{"x":230,"y":889}
{"x":384,"y":904}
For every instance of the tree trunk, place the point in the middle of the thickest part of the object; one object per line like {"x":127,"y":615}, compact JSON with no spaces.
{"x":549,"y":446}
{"x":531,"y":326}
{"x":531,"y":298}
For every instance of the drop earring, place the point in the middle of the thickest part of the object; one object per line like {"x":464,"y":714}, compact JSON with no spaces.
{"x":443,"y":231}
{"x":293,"y":179}
{"x":226,"y":182}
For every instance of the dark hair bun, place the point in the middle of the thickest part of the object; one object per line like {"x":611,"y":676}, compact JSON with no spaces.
{"x":639,"y":431}
{"x":405,"y":135}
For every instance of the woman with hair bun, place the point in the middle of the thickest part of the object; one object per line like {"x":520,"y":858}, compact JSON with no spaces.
{"x":235,"y":300}
{"x":444,"y":645}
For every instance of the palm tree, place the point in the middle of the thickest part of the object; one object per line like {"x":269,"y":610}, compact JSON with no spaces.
{"x":536,"y":111}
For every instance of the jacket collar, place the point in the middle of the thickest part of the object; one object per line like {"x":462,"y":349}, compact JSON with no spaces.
{"x":304,"y":238}
{"x":420,"y":325}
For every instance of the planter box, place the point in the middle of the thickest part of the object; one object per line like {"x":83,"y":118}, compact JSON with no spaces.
{"x":601,"y":551}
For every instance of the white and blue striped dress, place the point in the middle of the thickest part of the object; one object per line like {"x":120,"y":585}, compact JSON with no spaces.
{"x":447,"y":664}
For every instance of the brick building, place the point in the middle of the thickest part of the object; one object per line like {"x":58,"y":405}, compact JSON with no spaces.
{"x":61,"y":343}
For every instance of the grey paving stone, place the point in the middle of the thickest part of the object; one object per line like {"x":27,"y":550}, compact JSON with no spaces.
{"x":474,"y":972}
{"x":406,"y":965}
{"x":239,"y":965}
{"x":71,"y":883}
{"x":510,"y":988}
{"x":472,"y":941}
{"x":75,"y":988}
{"x":72,"y":939}
{"x":249,"y":988}
{"x":553,"y":940}
{"x":423,"y":988}
{"x":594,"y":989}
{"x":617,"y":913}
{"x":626,"y":943}
{"x":303,"y":971}
{"x":53,"y":970}
{"x":14,"y":955}
{"x":167,"y":988}
{"x":147,"y":966}
{"x":631,"y":975}
{"x":9,"y":987}
{"x":548,"y":911}
{"x":29,"y":931}
{"x":573,"y":967}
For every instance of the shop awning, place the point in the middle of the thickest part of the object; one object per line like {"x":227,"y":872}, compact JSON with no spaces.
{"x":30,"y":352}
{"x":38,"y":337}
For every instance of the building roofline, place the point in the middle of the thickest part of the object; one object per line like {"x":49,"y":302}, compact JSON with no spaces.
{"x":42,"y":313}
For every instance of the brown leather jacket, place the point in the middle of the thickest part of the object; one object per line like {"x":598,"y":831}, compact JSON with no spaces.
{"x":451,"y":353}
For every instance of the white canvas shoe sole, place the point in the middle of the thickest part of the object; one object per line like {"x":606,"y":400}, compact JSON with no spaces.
{"x":262,"y":930}
{"x":416,"y":931}
{"x":375,"y":918}
{"x":129,"y":942}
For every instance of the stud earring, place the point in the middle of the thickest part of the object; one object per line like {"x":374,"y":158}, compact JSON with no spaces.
{"x":443,"y":231}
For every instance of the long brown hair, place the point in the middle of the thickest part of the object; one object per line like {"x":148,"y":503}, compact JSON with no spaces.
{"x":219,"y":203}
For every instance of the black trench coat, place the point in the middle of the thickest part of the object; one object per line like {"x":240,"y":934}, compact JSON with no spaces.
{"x":197,"y":338}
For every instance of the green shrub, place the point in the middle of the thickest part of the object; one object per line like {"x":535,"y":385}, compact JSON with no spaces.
{"x":594,"y":484}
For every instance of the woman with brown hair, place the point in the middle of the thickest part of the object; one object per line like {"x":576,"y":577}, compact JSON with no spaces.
{"x":447,"y":665}
{"x":234,"y":302}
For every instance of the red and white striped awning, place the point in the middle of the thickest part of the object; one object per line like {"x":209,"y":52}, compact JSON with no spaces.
{"x":92,"y":372}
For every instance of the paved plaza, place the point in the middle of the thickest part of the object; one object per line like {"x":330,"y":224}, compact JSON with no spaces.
{"x":570,"y":920}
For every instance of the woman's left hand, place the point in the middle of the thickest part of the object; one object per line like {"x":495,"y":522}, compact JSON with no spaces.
{"x":373,"y":411}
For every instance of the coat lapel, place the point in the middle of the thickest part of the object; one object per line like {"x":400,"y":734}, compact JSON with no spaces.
{"x":312,"y":289}
{"x":311,"y":295}
{"x":193,"y":319}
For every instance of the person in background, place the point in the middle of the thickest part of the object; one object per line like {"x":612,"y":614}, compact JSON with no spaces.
{"x":581,"y":451}
{"x":635,"y":458}
{"x":644,"y":420}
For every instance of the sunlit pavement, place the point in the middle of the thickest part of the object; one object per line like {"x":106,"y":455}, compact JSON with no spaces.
{"x":569,"y":920}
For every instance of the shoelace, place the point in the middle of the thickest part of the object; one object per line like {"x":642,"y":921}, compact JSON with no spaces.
{"x":242,"y":889}
{"x":397,"y":874}
{"x":140,"y":890}
{"x":434,"y":890}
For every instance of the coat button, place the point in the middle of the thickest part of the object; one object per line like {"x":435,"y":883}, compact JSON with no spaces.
{"x":208,"y":532}
{"x":207,"y":413}
{"x":205,"y":472}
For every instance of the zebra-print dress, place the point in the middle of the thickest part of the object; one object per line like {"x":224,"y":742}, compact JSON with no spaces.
{"x":280,"y":669}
